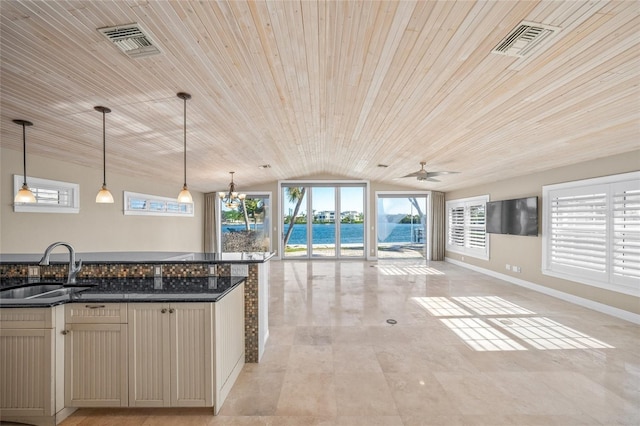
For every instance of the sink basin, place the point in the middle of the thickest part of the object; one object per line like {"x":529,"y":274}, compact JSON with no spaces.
{"x":40,"y":291}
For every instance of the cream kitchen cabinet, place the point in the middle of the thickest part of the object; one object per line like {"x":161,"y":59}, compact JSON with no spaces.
{"x":229,"y":343}
{"x":96,"y":357}
{"x":31,"y":377}
{"x":170,"y":354}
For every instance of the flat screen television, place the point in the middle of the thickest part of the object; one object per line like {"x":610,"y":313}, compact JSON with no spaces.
{"x":515,"y":217}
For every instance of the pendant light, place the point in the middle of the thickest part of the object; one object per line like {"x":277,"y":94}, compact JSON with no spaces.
{"x":185,"y":195}
{"x":24,"y":195}
{"x":104,"y":196}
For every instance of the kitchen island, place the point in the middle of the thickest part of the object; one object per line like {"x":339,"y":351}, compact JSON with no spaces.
{"x":253,"y":266}
{"x":136,"y":329}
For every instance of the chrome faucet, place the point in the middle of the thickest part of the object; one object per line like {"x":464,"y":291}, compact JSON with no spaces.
{"x":73,"y":267}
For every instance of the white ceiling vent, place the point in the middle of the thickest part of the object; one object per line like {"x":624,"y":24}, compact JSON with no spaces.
{"x":131,"y":39}
{"x":524,"y":38}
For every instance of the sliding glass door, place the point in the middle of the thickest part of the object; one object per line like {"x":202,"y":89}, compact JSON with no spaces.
{"x":294,"y":221}
{"x":323,"y":221}
{"x":352,"y":221}
{"x":402,"y":225}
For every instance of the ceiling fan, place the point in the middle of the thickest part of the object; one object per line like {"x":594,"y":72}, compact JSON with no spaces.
{"x":423,"y":175}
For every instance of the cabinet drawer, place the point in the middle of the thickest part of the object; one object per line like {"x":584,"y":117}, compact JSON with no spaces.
{"x":96,"y":313}
{"x":26,"y":318}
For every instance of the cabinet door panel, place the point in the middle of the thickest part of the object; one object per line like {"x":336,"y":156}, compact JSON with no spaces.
{"x":192,"y":356}
{"x":96,"y":365}
{"x":149,"y":353}
{"x":26,"y":381}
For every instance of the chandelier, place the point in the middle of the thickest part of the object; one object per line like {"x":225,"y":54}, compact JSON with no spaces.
{"x":232,"y":199}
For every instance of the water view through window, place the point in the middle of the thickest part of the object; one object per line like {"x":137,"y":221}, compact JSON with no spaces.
{"x":323,"y":221}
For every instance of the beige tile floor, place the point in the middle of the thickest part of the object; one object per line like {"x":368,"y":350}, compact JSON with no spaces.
{"x":467,"y":349}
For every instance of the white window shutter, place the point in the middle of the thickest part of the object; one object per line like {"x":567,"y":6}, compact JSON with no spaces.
{"x":579,"y":231}
{"x":456,"y":226}
{"x":626,"y":233}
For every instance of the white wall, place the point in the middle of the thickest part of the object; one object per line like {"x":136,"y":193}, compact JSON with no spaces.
{"x":526,"y":252}
{"x":98,"y":227}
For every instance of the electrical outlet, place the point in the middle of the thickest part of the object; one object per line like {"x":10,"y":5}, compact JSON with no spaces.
{"x":508,"y":267}
{"x":516,"y":269}
{"x":213,"y":270}
{"x":157,"y":271}
{"x":33,"y":272}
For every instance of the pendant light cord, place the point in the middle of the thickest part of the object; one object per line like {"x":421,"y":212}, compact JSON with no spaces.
{"x":104,"y":149}
{"x":185,"y":141}
{"x":24,"y":153}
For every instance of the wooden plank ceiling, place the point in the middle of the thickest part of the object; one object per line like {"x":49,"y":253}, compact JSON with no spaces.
{"x":322,"y":88}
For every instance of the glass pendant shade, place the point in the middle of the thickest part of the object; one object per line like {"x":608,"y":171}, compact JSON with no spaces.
{"x":185,"y":195}
{"x":104,"y":196}
{"x":24,"y":195}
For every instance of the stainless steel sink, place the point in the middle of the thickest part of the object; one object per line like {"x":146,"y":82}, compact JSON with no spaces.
{"x":40,"y":291}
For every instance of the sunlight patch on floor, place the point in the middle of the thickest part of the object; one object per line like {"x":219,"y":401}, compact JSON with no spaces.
{"x":441,"y":307}
{"x":482,"y":321}
{"x":546,"y":334}
{"x":481,"y":336}
{"x":491,"y":305}
{"x":408,"y":270}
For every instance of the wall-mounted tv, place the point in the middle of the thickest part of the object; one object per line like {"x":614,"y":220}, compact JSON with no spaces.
{"x":515,"y":217}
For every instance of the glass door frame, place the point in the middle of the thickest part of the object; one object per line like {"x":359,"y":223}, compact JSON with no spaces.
{"x":405,"y":194}
{"x":337,"y":184}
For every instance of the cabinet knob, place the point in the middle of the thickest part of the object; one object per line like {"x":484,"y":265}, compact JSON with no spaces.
{"x":163,"y":311}
{"x":65,"y":332}
{"x":171,"y":310}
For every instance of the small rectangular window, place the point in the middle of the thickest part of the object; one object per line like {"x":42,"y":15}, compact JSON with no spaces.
{"x":154,"y":205}
{"x":52,"y":196}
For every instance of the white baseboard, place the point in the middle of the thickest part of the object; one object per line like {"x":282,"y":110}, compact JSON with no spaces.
{"x":596,"y":306}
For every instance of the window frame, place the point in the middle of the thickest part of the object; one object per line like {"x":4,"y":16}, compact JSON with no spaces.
{"x":165,"y":202}
{"x":467,"y":204}
{"x":35,"y":184}
{"x":249,"y":194}
{"x":607,"y":279}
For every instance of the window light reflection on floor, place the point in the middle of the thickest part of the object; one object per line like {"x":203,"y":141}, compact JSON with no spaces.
{"x":491,"y":305}
{"x":546,"y":334}
{"x":482,"y":321}
{"x":481,"y":336}
{"x":441,"y":307}
{"x":408,"y":270}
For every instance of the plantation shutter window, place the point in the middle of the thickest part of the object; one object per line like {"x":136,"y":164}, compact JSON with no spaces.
{"x":466,"y":227}
{"x":591,"y":232}
{"x":52,"y":196}
{"x":456,"y":226}
{"x":626,"y":233}
{"x":477,"y":227}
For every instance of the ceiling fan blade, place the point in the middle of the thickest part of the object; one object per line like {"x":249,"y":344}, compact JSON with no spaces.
{"x":430,"y":174}
{"x":415,"y":174}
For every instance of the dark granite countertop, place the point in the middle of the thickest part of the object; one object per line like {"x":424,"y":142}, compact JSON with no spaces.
{"x":119,"y":290}
{"x":153,"y":257}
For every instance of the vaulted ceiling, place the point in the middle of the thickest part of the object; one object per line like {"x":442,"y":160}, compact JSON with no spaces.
{"x":322,"y":87}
